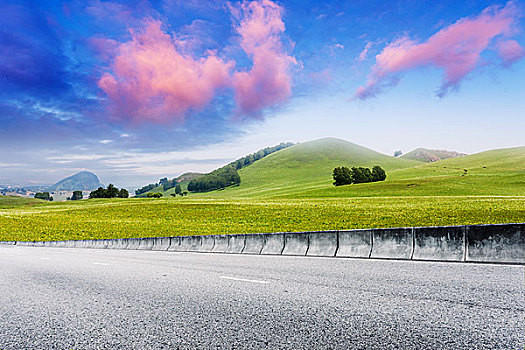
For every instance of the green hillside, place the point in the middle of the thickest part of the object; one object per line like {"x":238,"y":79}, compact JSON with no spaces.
{"x":304,"y":166}
{"x":305,"y":171}
{"x":493,"y":173}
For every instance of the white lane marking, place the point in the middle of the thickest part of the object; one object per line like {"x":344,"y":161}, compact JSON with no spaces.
{"x":97,"y":263}
{"x":243,"y":280}
{"x":44,"y":259}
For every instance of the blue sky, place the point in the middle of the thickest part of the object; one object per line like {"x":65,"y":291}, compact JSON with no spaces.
{"x":139,"y":90}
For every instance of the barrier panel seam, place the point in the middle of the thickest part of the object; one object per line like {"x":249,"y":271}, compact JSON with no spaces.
{"x":336,"y":243}
{"x":413,"y":243}
{"x":244,"y":243}
{"x":465,"y":243}
{"x":262,"y":246}
{"x":371,"y":240}
{"x":284,"y":245}
{"x":307,"y":244}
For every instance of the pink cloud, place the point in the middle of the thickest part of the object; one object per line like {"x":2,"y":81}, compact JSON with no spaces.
{"x":510,"y":51}
{"x":152,"y":80}
{"x":268,"y":83}
{"x":364,"y":53}
{"x":456,"y":50}
{"x":153,"y":77}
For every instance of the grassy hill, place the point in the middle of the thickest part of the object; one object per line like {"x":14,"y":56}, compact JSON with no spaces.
{"x":430,"y":155}
{"x":491,"y":173}
{"x":305,"y":171}
{"x":308,"y":165}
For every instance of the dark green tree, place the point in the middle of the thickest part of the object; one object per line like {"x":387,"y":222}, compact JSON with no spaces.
{"x":154,"y":195}
{"x":111,"y":191}
{"x":77,"y":195}
{"x":217,"y":179}
{"x":145,"y":189}
{"x":361,"y":175}
{"x":378,"y":174}
{"x":178,"y":190}
{"x":44,"y":195}
{"x":342,"y":176}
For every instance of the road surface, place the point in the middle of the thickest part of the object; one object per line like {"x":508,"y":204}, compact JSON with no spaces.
{"x":96,"y":299}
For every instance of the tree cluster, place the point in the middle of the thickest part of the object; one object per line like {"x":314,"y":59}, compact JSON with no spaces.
{"x":346,"y":176}
{"x":77,"y":195}
{"x":249,"y":159}
{"x":154,"y":195}
{"x":110,"y":192}
{"x":178,"y":191}
{"x":167,"y":184}
{"x":164,"y":182}
{"x":145,"y":189}
{"x":44,"y":195}
{"x":217,"y":179}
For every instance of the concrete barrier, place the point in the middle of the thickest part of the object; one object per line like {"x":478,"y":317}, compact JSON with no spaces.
{"x":439,"y":243}
{"x":161,"y":243}
{"x":355,"y":244}
{"x":102,"y":243}
{"x":79,"y":244}
{"x":133,"y":244}
{"x":295,"y":243}
{"x":221,"y":243}
{"x":322,"y":243}
{"x":236,"y":244}
{"x":174,"y":244}
{"x":117,"y":244}
{"x":496,"y":243}
{"x":504,"y":243}
{"x":146,"y":243}
{"x":8,"y":242}
{"x":254,"y":244}
{"x":185,"y":243}
{"x":207,"y":243}
{"x":273,"y":244}
{"x":392,"y":243}
{"x":194,"y":243}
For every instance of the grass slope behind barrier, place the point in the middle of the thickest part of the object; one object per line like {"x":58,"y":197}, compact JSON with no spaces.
{"x":95,"y":219}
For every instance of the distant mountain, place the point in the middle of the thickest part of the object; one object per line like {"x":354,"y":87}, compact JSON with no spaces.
{"x":83,"y":181}
{"x":431,"y":155}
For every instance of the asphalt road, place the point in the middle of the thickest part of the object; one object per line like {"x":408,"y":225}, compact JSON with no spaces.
{"x":58,"y":298}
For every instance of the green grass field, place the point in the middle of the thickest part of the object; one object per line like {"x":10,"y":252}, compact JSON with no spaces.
{"x":91,"y":219}
{"x":291,"y":190}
